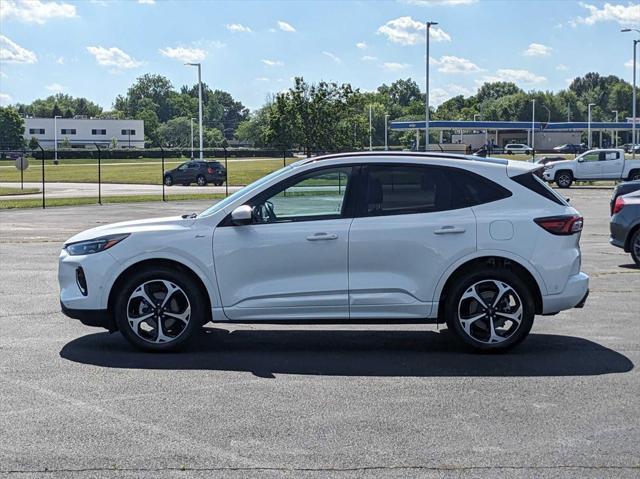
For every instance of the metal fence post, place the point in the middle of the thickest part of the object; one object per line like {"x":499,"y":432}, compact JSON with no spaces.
{"x":42,"y":151}
{"x":284,"y":158}
{"x":99,"y":174}
{"x":164,"y":198}
{"x":226,"y":170}
{"x":22,"y":172}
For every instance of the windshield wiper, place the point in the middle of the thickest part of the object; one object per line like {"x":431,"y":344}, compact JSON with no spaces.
{"x":190,"y":215}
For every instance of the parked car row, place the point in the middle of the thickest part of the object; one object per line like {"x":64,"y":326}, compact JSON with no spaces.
{"x":625,"y":218}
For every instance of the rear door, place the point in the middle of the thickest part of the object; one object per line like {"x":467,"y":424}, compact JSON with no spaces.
{"x":611,"y":164}
{"x":408,"y":231}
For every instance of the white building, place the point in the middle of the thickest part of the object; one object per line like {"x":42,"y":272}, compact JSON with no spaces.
{"x":83,"y":132}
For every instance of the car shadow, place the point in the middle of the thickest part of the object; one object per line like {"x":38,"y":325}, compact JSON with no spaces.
{"x":629,"y":266}
{"x":353,"y":353}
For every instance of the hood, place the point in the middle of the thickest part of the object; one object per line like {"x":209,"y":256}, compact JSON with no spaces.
{"x":138,"y":226}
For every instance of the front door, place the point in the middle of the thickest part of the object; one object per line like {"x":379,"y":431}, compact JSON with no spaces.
{"x":291,"y":262}
{"x":409,"y":231}
{"x":589,"y":166}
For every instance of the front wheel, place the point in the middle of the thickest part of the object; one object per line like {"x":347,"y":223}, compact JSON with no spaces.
{"x":635,"y":247}
{"x":564,"y":179}
{"x":168,"y":180}
{"x":159,"y":309}
{"x":490,"y":310}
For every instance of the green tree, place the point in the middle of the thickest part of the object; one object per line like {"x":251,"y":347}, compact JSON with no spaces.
{"x":56,"y":111}
{"x":33,"y":143}
{"x":176,"y":132}
{"x":66,"y":144}
{"x":11,"y":128}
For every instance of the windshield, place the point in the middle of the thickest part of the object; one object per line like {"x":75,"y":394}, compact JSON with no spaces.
{"x":230,"y":199}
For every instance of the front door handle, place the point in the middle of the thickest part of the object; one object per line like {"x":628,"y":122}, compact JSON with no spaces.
{"x":322,"y":237}
{"x":449,"y":230}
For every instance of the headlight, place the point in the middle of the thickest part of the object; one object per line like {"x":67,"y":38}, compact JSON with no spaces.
{"x":549,"y":167}
{"x":95,"y":245}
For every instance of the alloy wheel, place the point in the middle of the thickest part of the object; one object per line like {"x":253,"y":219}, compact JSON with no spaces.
{"x":636,"y":246}
{"x":490,"y":311}
{"x":158,"y":311}
{"x":564,"y":180}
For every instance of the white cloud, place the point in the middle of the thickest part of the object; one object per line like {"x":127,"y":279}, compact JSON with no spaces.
{"x":11,"y":52}
{"x":440,"y":95}
{"x":332,"y":56}
{"x":238,"y":28}
{"x":113,"y":57}
{"x":262,"y":79}
{"x":285,"y":27}
{"x":453,"y":64}
{"x":427,"y":3}
{"x":361,"y":45}
{"x":60,"y":61}
{"x":35,"y":11}
{"x":517,"y":76}
{"x":272,"y":63}
{"x":55,"y":87}
{"x":623,"y":14}
{"x":395,"y":67}
{"x":147,"y":2}
{"x":3,"y":74}
{"x":629,"y":64}
{"x":407,"y":31}
{"x":369,"y":58}
{"x":538,"y":50}
{"x":184,"y":54}
{"x":562,"y":67}
{"x":5,"y":99}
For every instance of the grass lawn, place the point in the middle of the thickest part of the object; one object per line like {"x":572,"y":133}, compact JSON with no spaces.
{"x":17,"y":191}
{"x":144,"y":171}
{"x":37,"y":202}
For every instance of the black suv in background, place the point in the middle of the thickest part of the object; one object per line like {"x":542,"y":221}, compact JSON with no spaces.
{"x":198,"y":172}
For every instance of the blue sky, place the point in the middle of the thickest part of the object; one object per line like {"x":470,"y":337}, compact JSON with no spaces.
{"x":96,"y":48}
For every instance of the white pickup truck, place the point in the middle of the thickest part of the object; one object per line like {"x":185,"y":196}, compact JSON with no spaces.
{"x":593,"y":165}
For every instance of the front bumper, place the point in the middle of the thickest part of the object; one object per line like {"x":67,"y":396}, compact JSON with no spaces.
{"x":99,"y":318}
{"x":574,"y":295}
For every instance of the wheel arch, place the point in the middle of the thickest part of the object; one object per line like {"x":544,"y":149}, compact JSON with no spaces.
{"x":632,"y":232}
{"x":632,"y":172}
{"x":501,"y":260}
{"x":151,"y":262}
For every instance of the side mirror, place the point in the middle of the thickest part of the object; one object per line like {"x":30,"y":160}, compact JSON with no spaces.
{"x":242,"y":215}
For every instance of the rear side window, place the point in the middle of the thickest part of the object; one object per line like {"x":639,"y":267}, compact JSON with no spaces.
{"x":214,"y":164}
{"x":535,"y":184}
{"x":473,"y":189}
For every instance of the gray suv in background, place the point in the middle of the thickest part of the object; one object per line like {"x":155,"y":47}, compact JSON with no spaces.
{"x":625,"y":224}
{"x":199,"y":172}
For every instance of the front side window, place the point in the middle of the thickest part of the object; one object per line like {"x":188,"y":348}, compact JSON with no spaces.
{"x":591,"y":157}
{"x":183,"y":166}
{"x":314,"y":196}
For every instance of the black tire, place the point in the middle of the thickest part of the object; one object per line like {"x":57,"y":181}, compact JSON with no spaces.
{"x":201,"y":180}
{"x":218,"y":183}
{"x":168,"y":180}
{"x":183,"y":333}
{"x":634,"y":246}
{"x":186,"y":183}
{"x":564,"y":179}
{"x":634,"y":175}
{"x":454,"y":301}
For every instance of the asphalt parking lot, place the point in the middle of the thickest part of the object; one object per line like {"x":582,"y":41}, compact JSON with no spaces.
{"x":318,"y":401}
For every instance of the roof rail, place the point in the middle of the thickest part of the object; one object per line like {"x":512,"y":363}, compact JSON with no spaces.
{"x":423,"y":154}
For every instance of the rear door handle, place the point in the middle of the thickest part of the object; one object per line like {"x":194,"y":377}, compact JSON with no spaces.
{"x":322,"y":237}
{"x":449,"y":230}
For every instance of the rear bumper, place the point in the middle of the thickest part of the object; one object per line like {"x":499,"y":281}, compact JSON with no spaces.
{"x":99,"y":318}
{"x":574,"y":295}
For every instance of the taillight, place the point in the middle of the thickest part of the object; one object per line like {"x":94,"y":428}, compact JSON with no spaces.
{"x":561,"y":225}
{"x":210,"y":170}
{"x":618,"y":205}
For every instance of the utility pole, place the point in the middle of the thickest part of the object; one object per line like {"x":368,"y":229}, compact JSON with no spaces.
{"x":533,"y":125}
{"x":426,"y":101}
{"x":589,"y":125}
{"x":386,"y":135}
{"x":615,"y":132}
{"x":370,"y":131}
{"x":633,"y":107}
{"x":55,"y":139}
{"x":191,"y":139}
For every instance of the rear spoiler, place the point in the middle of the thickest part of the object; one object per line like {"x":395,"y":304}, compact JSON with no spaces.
{"x":515,"y":168}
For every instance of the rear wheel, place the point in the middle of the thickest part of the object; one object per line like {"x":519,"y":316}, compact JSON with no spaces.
{"x":564,"y":179}
{"x":635,"y":247}
{"x":201,"y":180}
{"x":159,"y":309}
{"x":634,"y":175}
{"x":490,"y":310}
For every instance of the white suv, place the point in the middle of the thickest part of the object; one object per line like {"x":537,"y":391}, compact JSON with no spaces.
{"x":481,"y":244}
{"x":512,"y":148}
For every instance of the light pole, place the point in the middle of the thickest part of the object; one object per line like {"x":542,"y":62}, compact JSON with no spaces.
{"x":589,"y":126}
{"x":568,"y":112}
{"x":386,"y":138}
{"x":191,"y":139}
{"x":199,"y":103}
{"x":426,"y":96}
{"x":615,"y":132}
{"x":533,"y":124}
{"x":370,"y":130}
{"x":633,"y":107}
{"x":55,"y":139}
